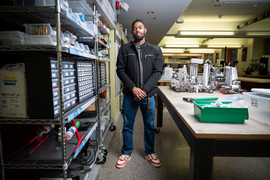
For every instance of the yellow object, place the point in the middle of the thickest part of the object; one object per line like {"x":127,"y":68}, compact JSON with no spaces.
{"x":133,"y":89}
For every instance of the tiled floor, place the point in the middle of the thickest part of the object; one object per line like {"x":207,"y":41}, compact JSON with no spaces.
{"x":173,"y":151}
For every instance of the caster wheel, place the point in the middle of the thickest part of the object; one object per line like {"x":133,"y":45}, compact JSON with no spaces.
{"x":112,"y":127}
{"x":157,"y":130}
{"x":101,"y":160}
{"x":105,"y":152}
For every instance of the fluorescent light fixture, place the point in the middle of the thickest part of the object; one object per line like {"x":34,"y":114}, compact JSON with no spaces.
{"x":180,"y":45}
{"x":258,"y":33}
{"x":223,"y":46}
{"x":167,"y":50}
{"x":242,"y":1}
{"x":202,"y":51}
{"x":206,"y":33}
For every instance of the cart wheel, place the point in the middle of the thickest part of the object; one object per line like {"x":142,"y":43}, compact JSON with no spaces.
{"x":101,"y":160}
{"x":211,"y":91}
{"x":112,"y":127}
{"x":105,"y":152}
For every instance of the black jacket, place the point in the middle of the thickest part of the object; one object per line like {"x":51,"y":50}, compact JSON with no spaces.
{"x":128,"y":69}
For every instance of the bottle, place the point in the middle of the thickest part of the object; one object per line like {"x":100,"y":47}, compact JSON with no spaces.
{"x":71,"y":131}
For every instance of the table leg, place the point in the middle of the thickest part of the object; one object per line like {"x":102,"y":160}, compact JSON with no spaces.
{"x":159,"y":111}
{"x":201,"y":159}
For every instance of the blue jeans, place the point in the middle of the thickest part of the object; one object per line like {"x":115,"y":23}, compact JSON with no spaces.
{"x":130,"y":108}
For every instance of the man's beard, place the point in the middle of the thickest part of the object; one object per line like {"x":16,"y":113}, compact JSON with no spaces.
{"x":139,"y":38}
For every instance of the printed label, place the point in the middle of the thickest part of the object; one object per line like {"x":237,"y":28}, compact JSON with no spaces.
{"x":9,"y":81}
{"x":254,"y":102}
{"x":11,"y":100}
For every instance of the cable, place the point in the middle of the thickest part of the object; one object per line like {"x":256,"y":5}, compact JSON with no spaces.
{"x":84,"y":160}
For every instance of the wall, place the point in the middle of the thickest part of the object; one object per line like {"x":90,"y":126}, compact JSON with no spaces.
{"x":255,"y":50}
{"x":115,"y":107}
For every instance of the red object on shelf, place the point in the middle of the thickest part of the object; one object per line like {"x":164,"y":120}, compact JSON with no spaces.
{"x":117,"y":5}
{"x":77,"y":133}
{"x":38,"y":145}
{"x":78,"y":143}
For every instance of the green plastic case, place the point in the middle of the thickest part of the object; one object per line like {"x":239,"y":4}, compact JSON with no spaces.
{"x":219,"y":114}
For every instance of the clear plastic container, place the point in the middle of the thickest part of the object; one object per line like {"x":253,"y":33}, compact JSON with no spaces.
{"x":53,"y":64}
{"x":86,"y":49}
{"x":37,"y":39}
{"x":12,"y":38}
{"x":76,"y":45}
{"x":70,"y":38}
{"x":54,"y":73}
{"x":8,"y":42}
{"x":55,"y":92}
{"x":81,"y":47}
{"x":38,"y":29}
{"x":15,"y":35}
{"x":70,"y":103}
{"x":258,"y":106}
{"x":56,"y":110}
{"x":69,"y":88}
{"x":67,"y":65}
{"x":55,"y":101}
{"x":54,"y":83}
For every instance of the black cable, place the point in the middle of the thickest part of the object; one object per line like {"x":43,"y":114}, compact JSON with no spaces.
{"x":86,"y":160}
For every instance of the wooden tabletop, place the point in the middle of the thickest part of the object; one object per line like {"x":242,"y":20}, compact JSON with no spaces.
{"x":251,"y":129}
{"x":254,"y":80}
{"x":164,"y":81}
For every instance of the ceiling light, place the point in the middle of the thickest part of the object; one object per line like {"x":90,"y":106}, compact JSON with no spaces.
{"x":150,"y":12}
{"x":206,"y":33}
{"x":202,"y":51}
{"x":180,"y":45}
{"x":242,"y":1}
{"x":172,"y":50}
{"x":258,"y":33}
{"x":223,"y":46}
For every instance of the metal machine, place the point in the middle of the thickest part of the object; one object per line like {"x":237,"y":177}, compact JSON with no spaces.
{"x":232,"y":83}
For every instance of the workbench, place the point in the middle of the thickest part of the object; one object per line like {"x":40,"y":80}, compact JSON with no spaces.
{"x":206,"y":140}
{"x":248,"y":83}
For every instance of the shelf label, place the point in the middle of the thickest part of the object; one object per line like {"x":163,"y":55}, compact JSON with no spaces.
{"x":74,"y":114}
{"x":75,"y":51}
{"x":71,"y":17}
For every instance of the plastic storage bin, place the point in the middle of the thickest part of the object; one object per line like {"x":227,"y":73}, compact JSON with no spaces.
{"x":12,"y":38}
{"x":37,"y":39}
{"x":258,"y":106}
{"x":38,"y":29}
{"x":219,"y":114}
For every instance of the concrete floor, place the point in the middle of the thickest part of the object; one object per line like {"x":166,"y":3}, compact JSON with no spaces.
{"x":173,"y":152}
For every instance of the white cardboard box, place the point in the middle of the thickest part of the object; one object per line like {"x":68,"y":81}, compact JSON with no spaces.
{"x":13,"y":95}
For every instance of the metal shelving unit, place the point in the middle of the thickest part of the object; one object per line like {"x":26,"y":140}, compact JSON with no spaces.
{"x":54,"y":155}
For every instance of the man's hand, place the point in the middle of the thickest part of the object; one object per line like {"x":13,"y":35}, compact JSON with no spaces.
{"x":139,"y":94}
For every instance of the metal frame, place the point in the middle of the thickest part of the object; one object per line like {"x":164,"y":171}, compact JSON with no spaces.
{"x":59,"y":15}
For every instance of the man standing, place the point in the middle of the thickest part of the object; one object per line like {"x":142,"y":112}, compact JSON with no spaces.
{"x":139,"y":67}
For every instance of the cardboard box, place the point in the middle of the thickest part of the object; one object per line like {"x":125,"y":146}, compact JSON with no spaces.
{"x":92,"y":107}
{"x":13,"y":95}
